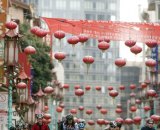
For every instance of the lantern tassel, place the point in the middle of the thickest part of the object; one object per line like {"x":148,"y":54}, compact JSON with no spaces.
{"x":88,"y":65}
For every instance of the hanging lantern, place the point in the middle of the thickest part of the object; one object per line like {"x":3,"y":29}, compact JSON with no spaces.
{"x":130,"y":43}
{"x":132,"y":86}
{"x":122,"y":87}
{"x":119,"y":120}
{"x":151,"y":43}
{"x":113,"y":93}
{"x":98,"y":88}
{"x":137,"y":120}
{"x":29,"y":50}
{"x":120,"y":62}
{"x":128,"y":121}
{"x":21,"y":85}
{"x":66,"y":86}
{"x":41,"y":32}
{"x":59,"y":34}
{"x":11,"y":25}
{"x":118,"y":110}
{"x":156,"y":118}
{"x":103,"y":46}
{"x":150,"y":63}
{"x":61,"y":105}
{"x":138,"y":101}
{"x":77,"y":87}
{"x":136,"y":49}
{"x":81,"y":108}
{"x":73,"y":111}
{"x":151,"y":93}
{"x":106,"y":122}
{"x":119,"y":105}
{"x":110,"y":88}
{"x":89,"y":112}
{"x":101,"y":39}
{"x":133,"y":108}
{"x":83,"y":38}
{"x":147,"y":108}
{"x":59,"y":109}
{"x":143,"y":85}
{"x":91,"y":122}
{"x":47,"y":116}
{"x":73,"y":40}
{"x":100,"y":122}
{"x":79,"y":92}
{"x":88,"y":60}
{"x":88,"y":88}
{"x":103,"y":111}
{"x":99,"y":107}
{"x":60,"y":56}
{"x":34,"y":29}
{"x":48,"y":90}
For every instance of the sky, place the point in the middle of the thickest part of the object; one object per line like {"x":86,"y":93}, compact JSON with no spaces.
{"x":129,"y":12}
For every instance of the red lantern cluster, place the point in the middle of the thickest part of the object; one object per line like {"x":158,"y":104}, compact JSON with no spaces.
{"x":38,"y":31}
{"x":73,"y":111}
{"x":91,"y":122}
{"x":137,"y":120}
{"x":89,"y":112}
{"x":120,"y":62}
{"x":88,"y":88}
{"x":73,"y":40}
{"x":59,"y":34}
{"x":143,"y":85}
{"x":103,"y":111}
{"x":128,"y":121}
{"x":66,"y":86}
{"x":132,"y":86}
{"x":151,"y":43}
{"x":103,"y":39}
{"x":59,"y":109}
{"x":110,"y":88}
{"x":122,"y":87}
{"x":100,"y":122}
{"x":156,"y":118}
{"x":147,"y":108}
{"x":98,"y":88}
{"x":151,"y":93}
{"x":83,"y":38}
{"x":29,"y":50}
{"x":133,"y":108}
{"x":119,"y":120}
{"x":130,"y":43}
{"x":113,"y":93}
{"x":79,"y":92}
{"x":47,"y":116}
{"x":103,"y":46}
{"x":88,"y":59}
{"x":118,"y":110}
{"x":81,"y":108}
{"x":136,"y":49}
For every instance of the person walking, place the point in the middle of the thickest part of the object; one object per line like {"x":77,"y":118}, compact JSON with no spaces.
{"x":149,"y":125}
{"x":39,"y":125}
{"x":81,"y":124}
{"x":113,"y":125}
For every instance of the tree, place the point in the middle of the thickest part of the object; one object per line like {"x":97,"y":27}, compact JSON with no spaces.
{"x":40,"y":61}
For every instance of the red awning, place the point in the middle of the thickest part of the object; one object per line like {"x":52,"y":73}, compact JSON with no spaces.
{"x":117,"y":31}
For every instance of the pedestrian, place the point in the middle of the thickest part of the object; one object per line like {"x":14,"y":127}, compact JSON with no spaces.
{"x":69,"y":123}
{"x":39,"y":125}
{"x":81,"y":124}
{"x":148,"y":125}
{"x":113,"y":125}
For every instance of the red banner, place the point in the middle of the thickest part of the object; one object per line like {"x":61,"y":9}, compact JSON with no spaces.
{"x":116,"y":31}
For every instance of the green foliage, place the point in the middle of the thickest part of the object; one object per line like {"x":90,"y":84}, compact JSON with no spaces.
{"x":40,"y":61}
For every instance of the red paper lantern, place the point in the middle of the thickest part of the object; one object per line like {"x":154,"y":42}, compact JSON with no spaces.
{"x":128,"y":121}
{"x":136,"y":49}
{"x":73,"y":40}
{"x":122,"y":87}
{"x":118,"y":110}
{"x":151,"y":93}
{"x":103,"y":111}
{"x":119,"y":105}
{"x":156,"y":118}
{"x":100,"y":39}
{"x":100,"y":122}
{"x":21,"y":85}
{"x":132,"y":86}
{"x":130,"y":43}
{"x":77,"y":87}
{"x":60,"y":56}
{"x":66,"y":86}
{"x":47,"y":116}
{"x":59,"y":109}
{"x":89,"y":112}
{"x":137,"y":120}
{"x":83,"y":38}
{"x":150,"y":63}
{"x":29,"y":50}
{"x":34,"y":29}
{"x":147,"y":108}
{"x":88,"y":59}
{"x":11,"y":25}
{"x":41,"y":32}
{"x":81,"y":108}
{"x":48,"y":90}
{"x":103,"y":46}
{"x":133,"y":108}
{"x":106,"y":122}
{"x":143,"y":85}
{"x":138,"y":101}
{"x":98,"y":88}
{"x":79,"y":92}
{"x":61,"y":105}
{"x":120,"y":62}
{"x":73,"y":111}
{"x":132,"y":95}
{"x":88,"y":88}
{"x":99,"y":107}
{"x":46,"y":108}
{"x":151,"y":43}
{"x":59,"y":34}
{"x":110,"y":88}
{"x":91,"y":122}
{"x":119,"y":120}
{"x":113,"y":93}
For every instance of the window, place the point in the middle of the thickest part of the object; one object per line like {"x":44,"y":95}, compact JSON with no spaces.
{"x":100,"y":6}
{"x":61,"y":4}
{"x":75,"y":5}
{"x":112,"y":6}
{"x":67,"y":65}
{"x":67,"y":76}
{"x":90,"y":16}
{"x":88,"y":5}
{"x":100,"y":17}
